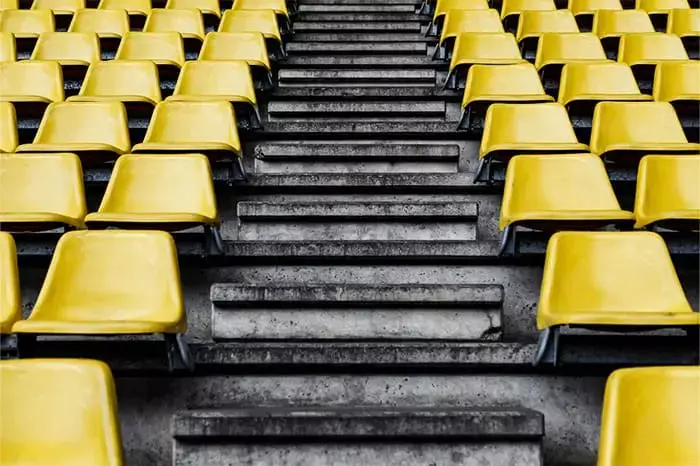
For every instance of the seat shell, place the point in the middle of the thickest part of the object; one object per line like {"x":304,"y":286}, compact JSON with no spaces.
{"x":248,"y":46}
{"x":27,"y":24}
{"x":617,"y":23}
{"x":8,"y":51}
{"x":660,"y":6}
{"x":659,"y":403}
{"x":10,"y":299}
{"x":160,"y":190}
{"x":132,"y":7}
{"x":644,"y":127}
{"x":109,"y":283}
{"x":188,"y":23}
{"x":533,"y":24}
{"x":40,"y":191}
{"x":59,"y":7}
{"x":564,"y":188}
{"x":262,"y":21}
{"x":611,"y":278}
{"x":598,"y":82}
{"x":485,"y":48}
{"x":162,"y":48}
{"x":9,"y":5}
{"x":31,"y":81}
{"x":121,"y":81}
{"x":278,"y":6}
{"x":677,"y":81}
{"x":58,"y":411}
{"x":535,"y":128}
{"x":588,"y":7}
{"x":503,"y":83}
{"x":215,"y":80}
{"x":563,"y":48}
{"x":667,"y":189}
{"x":68,"y":48}
{"x":650,"y":48}
{"x":82,"y":126}
{"x":443,"y":6}
{"x":192,"y":127}
{"x":516,"y":7}
{"x":8,"y":127}
{"x":684,"y":22}
{"x":206,"y":7}
{"x":107,"y":24}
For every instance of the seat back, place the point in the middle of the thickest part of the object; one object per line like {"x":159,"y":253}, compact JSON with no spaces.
{"x":42,"y":183}
{"x":515,"y":7}
{"x":616,"y":23}
{"x":583,"y":7}
{"x":132,"y":7}
{"x":278,"y":6}
{"x":222,"y":79}
{"x":27,"y":23}
{"x":122,"y":78}
{"x":562,"y":48}
{"x":58,"y":411}
{"x":660,"y":6}
{"x":105,"y":23}
{"x":594,"y":81}
{"x":263,"y":21}
{"x":677,"y":81}
{"x":205,"y":6}
{"x":249,"y":46}
{"x":8,"y":127}
{"x":684,"y":22}
{"x":10,"y":299}
{"x":59,"y":6}
{"x":186,"y":122}
{"x":503,"y":80}
{"x":650,"y":48}
{"x":68,"y":48}
{"x":651,"y":415}
{"x":535,"y":23}
{"x":162,"y":48}
{"x":7,"y":47}
{"x":188,"y":23}
{"x":118,"y":275}
{"x":443,"y":6}
{"x":9,"y":5}
{"x":161,"y":184}
{"x":30,"y":80}
{"x":461,"y":21}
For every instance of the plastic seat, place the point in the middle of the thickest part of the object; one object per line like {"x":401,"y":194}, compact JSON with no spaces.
{"x":40,"y":192}
{"x":659,"y":403}
{"x":643,"y":51}
{"x":554,"y":50}
{"x":484,"y":48}
{"x":10,"y":299}
{"x":207,"y":127}
{"x":137,"y":10}
{"x":609,"y":279}
{"x":248,"y":46}
{"x":461,"y":21}
{"x":659,"y":9}
{"x":278,"y":6}
{"x":31,"y":83}
{"x":667,"y":192}
{"x":262,"y":21}
{"x":685,"y":23}
{"x":533,"y":24}
{"x":111,"y":24}
{"x":26,"y":26}
{"x":165,"y":49}
{"x":630,"y":130}
{"x":512,"y":129}
{"x":443,"y":6}
{"x":58,"y":411}
{"x":677,"y":82}
{"x":557,"y":192}
{"x":7,"y":47}
{"x":209,"y":8}
{"x":610,"y":25}
{"x":130,"y":82}
{"x":488,"y":84}
{"x":216,"y":81}
{"x":9,"y":5}
{"x":164,"y":192}
{"x":511,"y":10}
{"x":63,"y":10}
{"x":8,"y":127}
{"x":87,"y":128}
{"x":584,"y":10}
{"x":188,"y":23}
{"x":68,"y":48}
{"x":109,"y":283}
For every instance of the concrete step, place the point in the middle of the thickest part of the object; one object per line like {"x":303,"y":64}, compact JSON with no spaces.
{"x":368,"y":61}
{"x":358,"y":436}
{"x":356,"y":221}
{"x":332,"y":78}
{"x":359,"y":2}
{"x":361,"y":91}
{"x":354,"y":152}
{"x":356,"y":312}
{"x":321,"y":8}
{"x":390,"y":27}
{"x":359,"y":36}
{"x":368,"y":48}
{"x":360,"y":17}
{"x":440,"y":130}
{"x":338,"y":109}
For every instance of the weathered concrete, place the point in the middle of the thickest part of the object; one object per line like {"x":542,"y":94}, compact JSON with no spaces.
{"x":333,"y":77}
{"x":368,"y":48}
{"x":362,"y":36}
{"x":356,"y":8}
{"x":356,"y":152}
{"x":359,"y":17}
{"x":323,"y":109}
{"x":373,"y":26}
{"x":374,"y":61}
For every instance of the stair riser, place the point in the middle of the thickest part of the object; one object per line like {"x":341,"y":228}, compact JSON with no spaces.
{"x":356,"y":109}
{"x":373,"y":27}
{"x":334,"y":48}
{"x":410,"y":9}
{"x":358,"y":37}
{"x":341,"y":151}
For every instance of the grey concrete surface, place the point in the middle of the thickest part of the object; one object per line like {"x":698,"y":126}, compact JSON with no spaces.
{"x":374,"y":61}
{"x":357,"y":210}
{"x":330,"y":78}
{"x":304,"y":8}
{"x":356,"y":109}
{"x":363,"y":36}
{"x":330,"y":48}
{"x":357,"y":151}
{"x":354,"y":26}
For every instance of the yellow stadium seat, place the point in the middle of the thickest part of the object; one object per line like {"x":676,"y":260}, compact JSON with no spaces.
{"x":9,"y":5}
{"x":554,"y":50}
{"x":63,"y":10}
{"x":210,"y":9}
{"x":668,"y":193}
{"x":558,"y":192}
{"x":137,"y":10}
{"x":685,"y":23}
{"x":188,"y":23}
{"x":10,"y":300}
{"x":219,"y":80}
{"x":659,"y":9}
{"x":160,"y":191}
{"x":8,"y":127}
{"x":248,"y":46}
{"x":512,"y":129}
{"x":94,"y":130}
{"x":107,"y":24}
{"x":40,"y":192}
{"x":533,"y":24}
{"x":511,"y":10}
{"x":677,"y":82}
{"x":610,"y":25}
{"x":443,"y":6}
{"x":58,"y":411}
{"x":609,"y":279}
{"x":659,"y":403}
{"x":27,"y":23}
{"x":278,"y":6}
{"x":630,"y":130}
{"x":7,"y":47}
{"x":31,"y":85}
{"x":109,"y":283}
{"x":488,"y":84}
{"x":643,"y":51}
{"x":483,"y":48}
{"x":165,"y":49}
{"x":68,"y":48}
{"x":262,"y":21}
{"x":187,"y":127}
{"x":135,"y":83}
{"x":462,"y":21}
{"x":584,"y":10}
